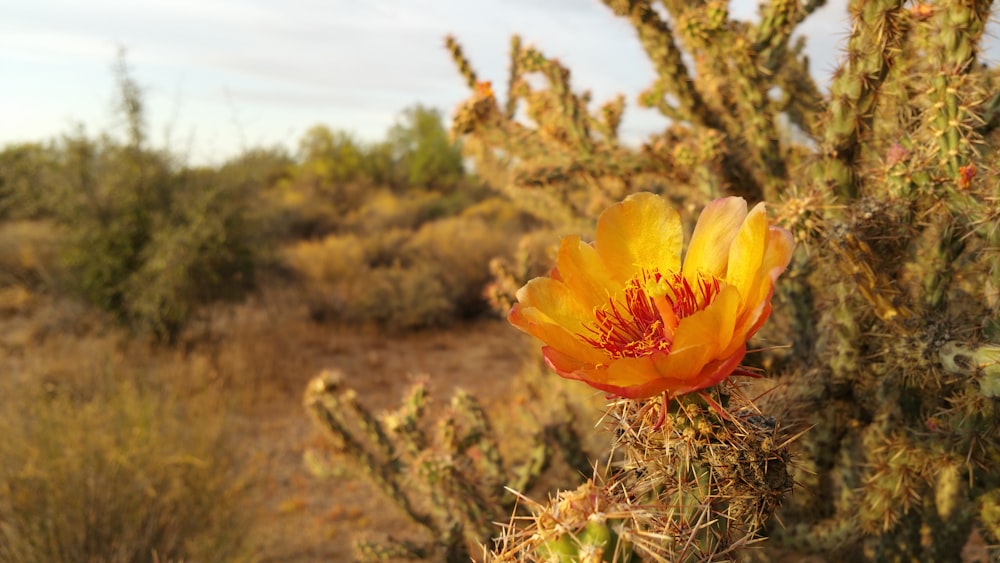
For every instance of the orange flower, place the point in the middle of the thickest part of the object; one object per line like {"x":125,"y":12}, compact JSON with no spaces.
{"x":626,"y":316}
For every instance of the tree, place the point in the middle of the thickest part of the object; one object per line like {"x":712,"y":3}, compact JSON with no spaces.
{"x":424,"y":154}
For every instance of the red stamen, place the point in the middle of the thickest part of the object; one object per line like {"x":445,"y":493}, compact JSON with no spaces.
{"x":636,"y":325}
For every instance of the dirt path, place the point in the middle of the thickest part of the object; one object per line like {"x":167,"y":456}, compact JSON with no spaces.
{"x":301,"y":517}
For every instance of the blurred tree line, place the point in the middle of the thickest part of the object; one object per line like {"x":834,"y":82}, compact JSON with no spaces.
{"x":143,"y":235}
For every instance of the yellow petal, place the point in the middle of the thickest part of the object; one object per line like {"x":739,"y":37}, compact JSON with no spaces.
{"x":747,"y":252}
{"x":536,"y":323}
{"x":780,"y":245}
{"x":778,"y":254}
{"x":557,"y":301}
{"x":630,"y":372}
{"x":633,"y":378}
{"x":582,"y":270}
{"x":712,"y":326}
{"x":712,"y":373}
{"x":642,"y":232}
{"x":686,"y":372}
{"x":684,"y":365}
{"x":701,"y":337}
{"x":717,"y":227}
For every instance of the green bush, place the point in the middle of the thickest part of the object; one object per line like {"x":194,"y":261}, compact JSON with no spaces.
{"x":23,"y":168}
{"x":151,"y":244}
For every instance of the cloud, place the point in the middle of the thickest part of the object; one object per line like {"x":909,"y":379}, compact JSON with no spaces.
{"x":353,"y":65}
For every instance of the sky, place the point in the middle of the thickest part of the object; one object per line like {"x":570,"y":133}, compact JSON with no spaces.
{"x":223,"y":76}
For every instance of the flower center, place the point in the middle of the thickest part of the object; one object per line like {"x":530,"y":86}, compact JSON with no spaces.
{"x":643,"y":320}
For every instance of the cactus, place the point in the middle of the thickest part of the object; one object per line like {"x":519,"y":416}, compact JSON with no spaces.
{"x":449,"y":484}
{"x":890,"y":311}
{"x":696,"y":486}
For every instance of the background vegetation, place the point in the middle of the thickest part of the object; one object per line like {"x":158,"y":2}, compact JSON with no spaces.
{"x":125,"y":372}
{"x":122,"y":268}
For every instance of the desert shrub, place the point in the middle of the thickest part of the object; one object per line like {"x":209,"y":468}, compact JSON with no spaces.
{"x":385,"y":248}
{"x":146,"y":239}
{"x":502,"y":214}
{"x":331,"y":270}
{"x":342,"y":283}
{"x":384,"y":210}
{"x":151,"y":245}
{"x":333,"y":175}
{"x":23,"y":170}
{"x":460,"y":250}
{"x":116,"y":470}
{"x":28,"y":253}
{"x":399,"y":278}
{"x":402,"y":298}
{"x":300,"y":210}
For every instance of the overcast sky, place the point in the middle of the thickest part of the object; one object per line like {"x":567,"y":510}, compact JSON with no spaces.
{"x":224,"y":75}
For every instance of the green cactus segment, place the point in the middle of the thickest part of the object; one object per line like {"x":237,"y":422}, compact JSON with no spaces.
{"x":449,"y":483}
{"x":462,"y":63}
{"x":694,"y":486}
{"x":989,"y":510}
{"x":559,"y":550}
{"x":596,"y":542}
{"x":891,"y":305}
{"x":982,"y":362}
{"x":954,"y":34}
{"x":875,"y":39}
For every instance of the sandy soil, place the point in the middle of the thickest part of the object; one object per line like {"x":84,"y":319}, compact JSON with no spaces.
{"x":301,"y":517}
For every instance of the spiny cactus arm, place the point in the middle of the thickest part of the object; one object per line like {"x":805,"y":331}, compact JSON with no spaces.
{"x":404,"y":423}
{"x":896,"y":476}
{"x":673,"y":76}
{"x":674,"y":81}
{"x":939,"y":265}
{"x":564,"y":437}
{"x":566,"y":111}
{"x":980,"y":363}
{"x":479,"y":434}
{"x":610,"y":119}
{"x":736,"y":85}
{"x":957,"y":28}
{"x":778,"y":19}
{"x":462,"y":63}
{"x":878,"y":29}
{"x":323,"y":403}
{"x":857,"y":260}
{"x":828,"y":536}
{"x":374,"y":432}
{"x":989,"y":514}
{"x":802,"y":101}
{"x":514,"y":74}
{"x":456,"y":504}
{"x":527,"y":472}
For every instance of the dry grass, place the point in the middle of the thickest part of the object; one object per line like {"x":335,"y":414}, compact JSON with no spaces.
{"x":106,"y":458}
{"x":28,"y":253}
{"x":97,"y":418}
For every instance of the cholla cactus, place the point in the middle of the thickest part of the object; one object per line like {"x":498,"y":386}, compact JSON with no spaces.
{"x":696,"y":483}
{"x":450,"y":482}
{"x":888,"y":184}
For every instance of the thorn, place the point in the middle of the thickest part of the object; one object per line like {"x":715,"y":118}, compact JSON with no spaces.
{"x":743,"y":371}
{"x":663,"y":412}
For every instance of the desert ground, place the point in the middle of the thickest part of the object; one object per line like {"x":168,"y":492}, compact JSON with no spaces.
{"x":255,"y":359}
